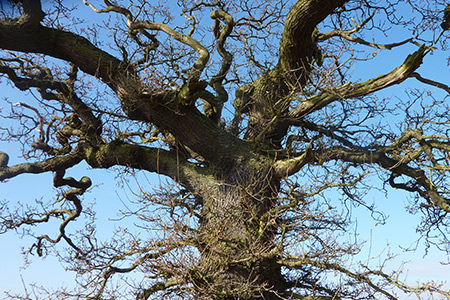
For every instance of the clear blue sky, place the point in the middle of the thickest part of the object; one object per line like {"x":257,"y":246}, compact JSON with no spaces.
{"x":398,"y":231}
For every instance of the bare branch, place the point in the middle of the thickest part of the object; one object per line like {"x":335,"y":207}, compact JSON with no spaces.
{"x":349,"y":90}
{"x":51,"y":164}
{"x":422,"y":184}
{"x":431,"y":82}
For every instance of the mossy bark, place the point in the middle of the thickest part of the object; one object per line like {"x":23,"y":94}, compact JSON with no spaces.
{"x":237,"y":187}
{"x":238,"y":259}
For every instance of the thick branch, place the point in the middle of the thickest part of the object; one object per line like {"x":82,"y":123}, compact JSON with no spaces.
{"x":284,"y":168}
{"x":297,"y":45}
{"x":32,"y":12}
{"x":348,"y":90}
{"x":191,"y":128}
{"x":159,"y":161}
{"x":60,"y":44}
{"x":272,"y":92}
{"x":48,"y":165}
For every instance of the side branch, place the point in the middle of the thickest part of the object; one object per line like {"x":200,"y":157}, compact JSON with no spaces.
{"x":419,"y":183}
{"x":368,"y":276}
{"x":48,"y":165}
{"x":346,"y":91}
{"x":190,"y":91}
{"x":32,"y":12}
{"x":159,"y":286}
{"x":45,"y":84}
{"x":346,"y":34}
{"x":431,"y":82}
{"x":217,"y":81}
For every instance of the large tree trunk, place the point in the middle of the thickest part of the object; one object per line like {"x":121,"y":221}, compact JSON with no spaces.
{"x":237,"y":234}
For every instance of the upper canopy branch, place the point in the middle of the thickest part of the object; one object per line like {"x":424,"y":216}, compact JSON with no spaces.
{"x":138,"y":102}
{"x":396,"y":76}
{"x":112,"y":7}
{"x":134,"y":26}
{"x":361,"y":41}
{"x":63,"y":45}
{"x":431,"y":82}
{"x":297,"y":45}
{"x":221,"y":34}
{"x":347,"y":34}
{"x":193,"y":84}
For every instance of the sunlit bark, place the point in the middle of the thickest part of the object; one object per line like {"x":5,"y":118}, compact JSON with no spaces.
{"x":246,"y":220}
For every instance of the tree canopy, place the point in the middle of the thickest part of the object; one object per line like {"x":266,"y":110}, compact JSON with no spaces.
{"x":254,"y":110}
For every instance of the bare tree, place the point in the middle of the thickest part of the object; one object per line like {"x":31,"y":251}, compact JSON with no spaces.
{"x":252,"y":110}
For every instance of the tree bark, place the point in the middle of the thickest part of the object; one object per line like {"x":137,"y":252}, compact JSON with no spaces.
{"x":237,"y":234}
{"x":239,"y":183}
{"x":272,"y":92}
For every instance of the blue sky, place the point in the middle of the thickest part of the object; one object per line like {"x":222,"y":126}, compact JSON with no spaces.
{"x":398,"y":231}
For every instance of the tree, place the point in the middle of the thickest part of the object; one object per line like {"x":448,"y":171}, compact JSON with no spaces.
{"x":252,"y":110}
